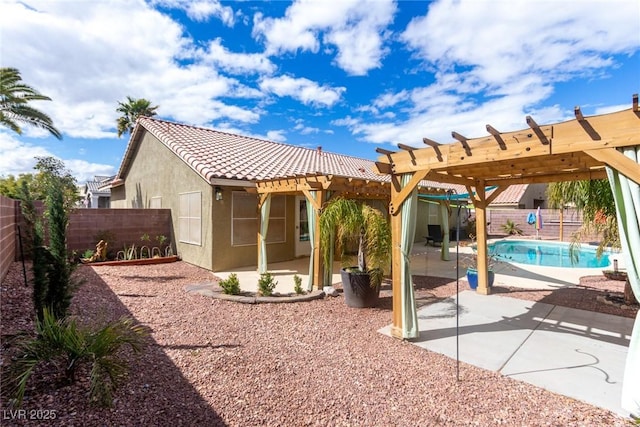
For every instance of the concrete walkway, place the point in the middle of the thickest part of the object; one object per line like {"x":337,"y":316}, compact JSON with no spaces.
{"x":576,"y":353}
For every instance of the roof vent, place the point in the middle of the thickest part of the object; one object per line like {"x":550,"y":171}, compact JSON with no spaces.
{"x":319,"y":149}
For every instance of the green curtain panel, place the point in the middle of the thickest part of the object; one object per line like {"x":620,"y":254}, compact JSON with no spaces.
{"x":311,"y":217}
{"x":409,"y":214}
{"x":264,"y":227}
{"x":444,"y":221}
{"x":627,"y":196}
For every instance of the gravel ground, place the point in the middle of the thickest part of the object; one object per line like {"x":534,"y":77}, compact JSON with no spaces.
{"x":213,"y":362}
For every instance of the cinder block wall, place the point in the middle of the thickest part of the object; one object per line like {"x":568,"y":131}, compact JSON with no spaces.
{"x":572,"y":221}
{"x":126,"y":226}
{"x":8,"y":209}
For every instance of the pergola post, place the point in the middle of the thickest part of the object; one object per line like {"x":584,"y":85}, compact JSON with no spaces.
{"x":480,"y":204}
{"x":317,"y":253}
{"x":403,"y":303}
{"x":264,"y":204}
{"x":396,"y":270}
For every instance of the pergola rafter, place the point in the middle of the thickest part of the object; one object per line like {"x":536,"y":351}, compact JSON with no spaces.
{"x":576,"y":149}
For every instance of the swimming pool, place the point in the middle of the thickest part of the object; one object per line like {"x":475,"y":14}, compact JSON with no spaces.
{"x":550,"y":254}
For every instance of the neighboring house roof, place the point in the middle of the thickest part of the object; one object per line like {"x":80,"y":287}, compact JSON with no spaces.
{"x":511,"y":196}
{"x":215,"y":155}
{"x":99,"y":185}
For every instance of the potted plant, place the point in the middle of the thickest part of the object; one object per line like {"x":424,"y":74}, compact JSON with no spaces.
{"x":345,"y":222}
{"x":471,"y":263}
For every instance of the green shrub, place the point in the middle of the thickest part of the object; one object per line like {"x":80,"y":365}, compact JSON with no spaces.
{"x":230,"y":286}
{"x":297,"y":284}
{"x":512,"y":228}
{"x":266,"y":284}
{"x":60,"y":343}
{"x":52,"y":283}
{"x":88,"y":253}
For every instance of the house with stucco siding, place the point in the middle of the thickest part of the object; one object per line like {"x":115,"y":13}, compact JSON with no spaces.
{"x":206,"y":178}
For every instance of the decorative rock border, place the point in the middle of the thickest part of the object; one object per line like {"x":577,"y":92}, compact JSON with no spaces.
{"x":212,"y":290}
{"x":143,"y":261}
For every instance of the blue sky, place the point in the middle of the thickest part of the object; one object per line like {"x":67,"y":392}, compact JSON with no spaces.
{"x":349,"y":76}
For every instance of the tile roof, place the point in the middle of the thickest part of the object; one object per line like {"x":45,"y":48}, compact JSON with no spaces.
{"x":99,"y":184}
{"x":214,"y":154}
{"x":511,"y":196}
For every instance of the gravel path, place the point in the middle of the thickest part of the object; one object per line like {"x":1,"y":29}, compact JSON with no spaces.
{"x":213,"y":362}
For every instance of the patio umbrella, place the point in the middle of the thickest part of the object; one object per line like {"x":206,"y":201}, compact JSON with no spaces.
{"x":538,"y":223}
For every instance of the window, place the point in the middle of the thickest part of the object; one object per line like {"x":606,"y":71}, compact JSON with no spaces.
{"x":245,"y":219}
{"x":190,"y":218}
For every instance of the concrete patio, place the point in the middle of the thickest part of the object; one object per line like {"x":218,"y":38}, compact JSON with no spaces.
{"x":425,"y":261}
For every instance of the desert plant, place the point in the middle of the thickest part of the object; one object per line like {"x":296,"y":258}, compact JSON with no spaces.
{"x":297,"y":284}
{"x":266,"y":284}
{"x":512,"y":228}
{"x":348,"y":221}
{"x":161,"y":239}
{"x":88,"y":253}
{"x":52,"y":269}
{"x":61,"y":343}
{"x":231,"y":285}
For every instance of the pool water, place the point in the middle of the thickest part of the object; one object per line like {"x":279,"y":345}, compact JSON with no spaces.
{"x":549,"y":254}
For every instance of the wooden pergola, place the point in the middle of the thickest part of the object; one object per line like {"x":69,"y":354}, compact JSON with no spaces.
{"x":578,"y":149}
{"x":326,"y":187}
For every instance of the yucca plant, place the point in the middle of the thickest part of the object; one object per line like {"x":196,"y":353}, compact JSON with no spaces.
{"x":62,"y":344}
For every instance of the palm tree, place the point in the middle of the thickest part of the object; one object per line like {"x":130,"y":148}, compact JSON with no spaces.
{"x":14,"y":98}
{"x":595,"y":200}
{"x":131,"y":110}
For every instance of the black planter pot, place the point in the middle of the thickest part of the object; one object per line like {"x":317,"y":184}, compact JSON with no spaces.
{"x":358,"y":292}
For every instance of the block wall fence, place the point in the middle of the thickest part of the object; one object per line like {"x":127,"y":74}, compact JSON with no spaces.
{"x":8,"y":219}
{"x":125,"y":226}
{"x":572,"y":221}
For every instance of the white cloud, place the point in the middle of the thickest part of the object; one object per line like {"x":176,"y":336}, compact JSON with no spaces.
{"x":20,"y":157}
{"x":356,"y":28}
{"x":87,"y":56}
{"x":276,"y":135}
{"x":201,"y":10}
{"x":304,"y":90}
{"x":238,"y":63}
{"x":390,"y":99}
{"x":501,"y":43}
{"x":305,"y":130}
{"x":85,"y":171}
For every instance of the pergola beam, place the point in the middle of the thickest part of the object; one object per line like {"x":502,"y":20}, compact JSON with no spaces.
{"x":398,"y":197}
{"x":616,"y":160}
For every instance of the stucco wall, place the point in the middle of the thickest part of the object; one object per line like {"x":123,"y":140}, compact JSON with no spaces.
{"x":533,"y":192}
{"x":156,"y":172}
{"x":7,"y":234}
{"x":226,"y":256}
{"x":148,"y":179}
